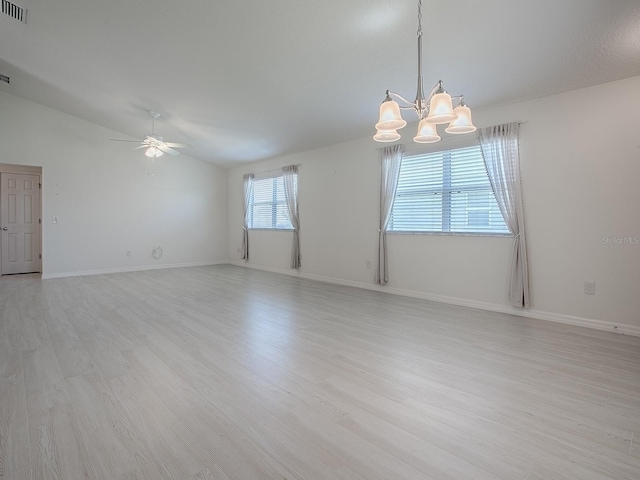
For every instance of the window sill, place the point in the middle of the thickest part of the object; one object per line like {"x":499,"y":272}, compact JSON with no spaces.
{"x":453,"y":234}
{"x":270,"y":229}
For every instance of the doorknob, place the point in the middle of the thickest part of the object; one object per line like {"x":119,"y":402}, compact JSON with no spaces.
{"x":4,"y":228}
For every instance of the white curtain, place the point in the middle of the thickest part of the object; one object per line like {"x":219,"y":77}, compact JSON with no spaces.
{"x":247,"y":181}
{"x":500,"y":149}
{"x":390,"y":161}
{"x":290,"y":181}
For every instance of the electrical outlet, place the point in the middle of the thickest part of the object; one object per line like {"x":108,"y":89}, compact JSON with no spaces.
{"x":590,"y":288}
{"x":368,"y":264}
{"x":128,"y":253}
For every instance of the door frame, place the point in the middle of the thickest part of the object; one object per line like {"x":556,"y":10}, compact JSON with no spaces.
{"x":26,"y":170}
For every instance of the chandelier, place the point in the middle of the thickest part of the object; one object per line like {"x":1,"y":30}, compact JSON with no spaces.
{"x":433,"y":109}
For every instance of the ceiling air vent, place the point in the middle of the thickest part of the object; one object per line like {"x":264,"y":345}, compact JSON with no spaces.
{"x":14,"y":11}
{"x":4,"y":78}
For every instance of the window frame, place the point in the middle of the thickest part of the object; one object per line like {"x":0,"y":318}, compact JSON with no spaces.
{"x":273,"y":176}
{"x":446,"y":148}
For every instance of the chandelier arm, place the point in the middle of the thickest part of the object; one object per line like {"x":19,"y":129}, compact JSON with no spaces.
{"x":437,"y":88}
{"x":409,"y":103}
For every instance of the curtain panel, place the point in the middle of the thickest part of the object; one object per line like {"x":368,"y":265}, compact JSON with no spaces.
{"x":290,"y":177}
{"x":247,"y":182}
{"x":500,"y":150}
{"x":390,"y":161}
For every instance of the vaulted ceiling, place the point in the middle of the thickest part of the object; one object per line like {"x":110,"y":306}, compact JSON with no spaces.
{"x":244,"y":81}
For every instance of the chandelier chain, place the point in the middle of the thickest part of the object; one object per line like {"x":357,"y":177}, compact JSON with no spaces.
{"x":419,"y":18}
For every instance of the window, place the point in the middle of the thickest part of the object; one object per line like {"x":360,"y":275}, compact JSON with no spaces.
{"x":268,"y":205}
{"x":447,"y":191}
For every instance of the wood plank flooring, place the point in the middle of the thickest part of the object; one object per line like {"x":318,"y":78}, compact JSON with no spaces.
{"x":231,"y":373}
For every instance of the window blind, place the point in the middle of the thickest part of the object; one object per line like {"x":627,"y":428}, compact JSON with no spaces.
{"x":446,"y":191}
{"x":268,"y":208}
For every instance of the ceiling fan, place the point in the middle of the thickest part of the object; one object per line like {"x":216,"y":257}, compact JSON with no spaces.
{"x":154,"y":143}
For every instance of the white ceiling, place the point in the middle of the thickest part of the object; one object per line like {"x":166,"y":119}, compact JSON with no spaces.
{"x":243,"y":81}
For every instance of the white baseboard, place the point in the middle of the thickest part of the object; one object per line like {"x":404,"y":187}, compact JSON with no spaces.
{"x":141,"y":268}
{"x":491,"y":307}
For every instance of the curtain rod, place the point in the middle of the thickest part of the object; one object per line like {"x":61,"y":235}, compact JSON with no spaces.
{"x":274,"y":170}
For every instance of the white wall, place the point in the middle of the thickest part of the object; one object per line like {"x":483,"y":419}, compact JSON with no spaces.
{"x":580,"y":154}
{"x":105,"y":199}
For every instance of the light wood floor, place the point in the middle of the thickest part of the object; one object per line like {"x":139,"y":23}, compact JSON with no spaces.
{"x":231,"y":373}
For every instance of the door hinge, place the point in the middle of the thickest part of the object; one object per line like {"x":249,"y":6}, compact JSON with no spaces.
{"x":39,"y":185}
{"x":40,"y":256}
{"x":39,"y":220}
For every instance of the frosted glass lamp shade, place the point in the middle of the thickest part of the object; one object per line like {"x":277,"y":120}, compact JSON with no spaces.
{"x":427,"y":132}
{"x":386,"y":136}
{"x":441,"y":109}
{"x":390,"y":118}
{"x":153,"y":152}
{"x":463,"y":123}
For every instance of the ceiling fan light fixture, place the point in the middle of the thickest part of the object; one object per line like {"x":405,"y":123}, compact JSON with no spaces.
{"x":153,"y":152}
{"x":154,"y":144}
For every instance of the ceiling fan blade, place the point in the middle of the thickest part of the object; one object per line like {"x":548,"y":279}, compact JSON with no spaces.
{"x":168,"y":150}
{"x":119,"y":140}
{"x":176,"y":145}
{"x":144,"y":145}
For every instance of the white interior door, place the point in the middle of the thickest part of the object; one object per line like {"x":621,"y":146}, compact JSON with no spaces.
{"x":20,"y":223}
